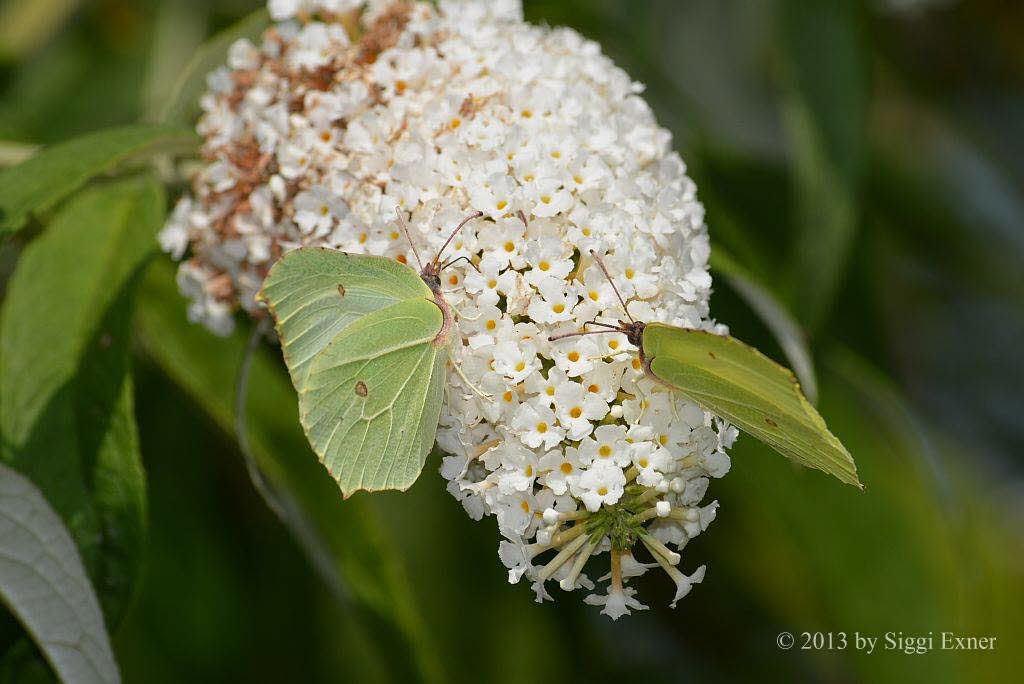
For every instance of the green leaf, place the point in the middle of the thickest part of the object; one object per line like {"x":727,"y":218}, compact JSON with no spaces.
{"x":43,"y":583}
{"x":366,"y":344}
{"x":66,"y":396}
{"x":825,"y":113}
{"x":42,"y":181}
{"x":344,"y":540}
{"x":748,"y":389}
{"x":25,"y":27}
{"x":774,"y":315}
{"x":183,"y":106}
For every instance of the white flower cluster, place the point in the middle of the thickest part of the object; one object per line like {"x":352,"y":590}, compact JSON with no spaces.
{"x":343,"y":116}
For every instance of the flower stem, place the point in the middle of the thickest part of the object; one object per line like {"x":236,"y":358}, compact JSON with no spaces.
{"x":569,"y":583}
{"x":565,"y":554}
{"x":616,"y":571}
{"x":654,"y":545}
{"x":644,"y":516}
{"x":644,"y":498}
{"x":567,"y":535}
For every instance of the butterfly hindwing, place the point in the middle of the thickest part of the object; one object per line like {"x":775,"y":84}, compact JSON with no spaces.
{"x":360,"y":336}
{"x":368,"y":393}
{"x":738,"y":383}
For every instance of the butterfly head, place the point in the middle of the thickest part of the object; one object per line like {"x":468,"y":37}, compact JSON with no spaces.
{"x":634,"y":331}
{"x":431,"y":275}
{"x":431,"y":271}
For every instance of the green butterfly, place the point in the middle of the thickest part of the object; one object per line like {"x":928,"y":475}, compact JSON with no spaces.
{"x":366,"y":340}
{"x":736,"y":382}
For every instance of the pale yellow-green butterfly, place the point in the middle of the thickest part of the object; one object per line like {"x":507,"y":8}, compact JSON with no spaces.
{"x":366,"y":340}
{"x":736,"y":382}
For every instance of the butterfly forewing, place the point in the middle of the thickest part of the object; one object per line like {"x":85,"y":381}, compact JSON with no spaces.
{"x":315,"y":293}
{"x":738,"y":383}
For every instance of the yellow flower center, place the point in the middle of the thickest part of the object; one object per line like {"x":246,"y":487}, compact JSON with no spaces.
{"x":542,"y":428}
{"x":605,"y":451}
{"x":574,"y":356}
{"x":566,"y":468}
{"x":576,"y":412}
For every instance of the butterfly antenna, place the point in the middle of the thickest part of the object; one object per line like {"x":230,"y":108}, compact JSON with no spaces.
{"x":457,"y":260}
{"x":600,"y":264}
{"x":405,"y":229}
{"x":475,"y":215}
{"x":613,"y":328}
{"x":579,"y":334}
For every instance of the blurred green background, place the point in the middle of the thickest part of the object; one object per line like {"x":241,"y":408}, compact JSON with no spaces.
{"x":863,"y":162}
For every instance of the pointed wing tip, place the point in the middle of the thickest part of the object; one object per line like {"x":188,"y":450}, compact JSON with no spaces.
{"x":347,"y":492}
{"x":851,"y":479}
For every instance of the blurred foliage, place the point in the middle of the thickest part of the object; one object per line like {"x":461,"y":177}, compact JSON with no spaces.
{"x":862,"y":165}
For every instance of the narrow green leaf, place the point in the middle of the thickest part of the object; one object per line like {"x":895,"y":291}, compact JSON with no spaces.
{"x":742,"y":385}
{"x":359,"y":561}
{"x":42,"y":181}
{"x":182,"y":108}
{"x":44,"y":585}
{"x":774,"y":315}
{"x":66,"y":397}
{"x":824,"y":111}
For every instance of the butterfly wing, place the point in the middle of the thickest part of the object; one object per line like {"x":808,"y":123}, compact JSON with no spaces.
{"x":738,"y":383}
{"x":315,"y":293}
{"x":372,"y":398}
